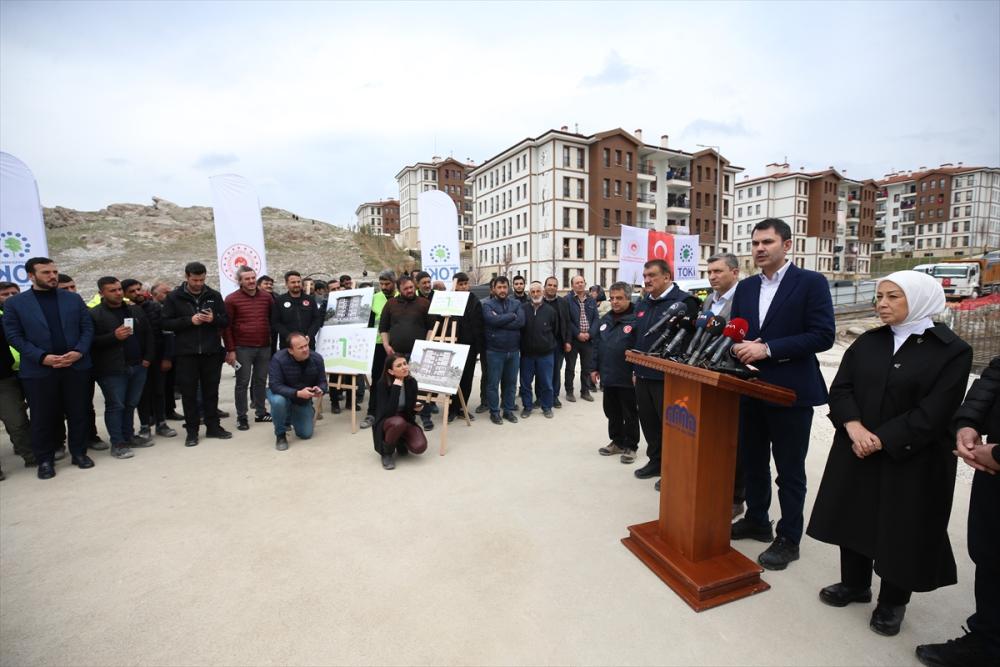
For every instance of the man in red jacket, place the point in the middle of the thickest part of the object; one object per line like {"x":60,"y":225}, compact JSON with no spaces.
{"x":248,"y":343}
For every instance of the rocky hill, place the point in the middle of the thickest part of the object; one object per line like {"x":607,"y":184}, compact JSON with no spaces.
{"x":155,"y":242}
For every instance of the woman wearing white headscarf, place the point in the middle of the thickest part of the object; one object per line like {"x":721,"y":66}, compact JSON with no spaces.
{"x":886,"y":493}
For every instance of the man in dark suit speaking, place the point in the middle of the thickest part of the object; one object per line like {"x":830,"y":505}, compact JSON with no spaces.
{"x":790,"y":313}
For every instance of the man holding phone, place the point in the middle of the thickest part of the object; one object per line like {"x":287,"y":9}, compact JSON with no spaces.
{"x":124,"y":347}
{"x":196,"y":314}
{"x":296,"y":376}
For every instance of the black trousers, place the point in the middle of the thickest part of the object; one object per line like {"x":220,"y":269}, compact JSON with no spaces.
{"x":378,"y":367}
{"x":768,"y":431}
{"x":336,"y":394}
{"x":194,"y":371}
{"x":649,"y":398}
{"x":984,"y":548}
{"x":482,"y":379}
{"x":560,"y":356}
{"x":152,"y":406}
{"x":169,"y":402}
{"x":856,"y":571}
{"x":584,"y":350}
{"x":623,"y":416}
{"x":59,"y":430}
{"x":465,"y":384}
{"x":50,"y":399}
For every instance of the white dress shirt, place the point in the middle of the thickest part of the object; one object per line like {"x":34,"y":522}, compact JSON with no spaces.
{"x":719,"y":302}
{"x":768,"y":288}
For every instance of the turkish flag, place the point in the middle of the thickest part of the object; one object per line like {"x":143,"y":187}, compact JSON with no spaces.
{"x":661,"y":246}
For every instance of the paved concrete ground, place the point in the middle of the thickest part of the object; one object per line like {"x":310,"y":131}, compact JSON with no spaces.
{"x":505,"y":551}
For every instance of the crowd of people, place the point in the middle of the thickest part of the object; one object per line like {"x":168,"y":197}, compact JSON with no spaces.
{"x":896,"y":402}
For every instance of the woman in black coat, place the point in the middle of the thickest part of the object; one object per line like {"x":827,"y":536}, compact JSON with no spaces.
{"x":886,"y":493}
{"x":396,"y":406}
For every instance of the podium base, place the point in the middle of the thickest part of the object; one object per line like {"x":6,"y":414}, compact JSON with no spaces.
{"x":702,"y":584}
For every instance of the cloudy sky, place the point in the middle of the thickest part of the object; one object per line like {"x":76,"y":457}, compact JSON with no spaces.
{"x":319,"y":105}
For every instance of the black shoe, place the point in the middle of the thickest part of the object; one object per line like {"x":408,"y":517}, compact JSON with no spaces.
{"x":357,"y":408}
{"x":746,"y":529}
{"x":777,"y":556}
{"x":174,"y":416}
{"x":60,"y":454}
{"x":968,"y":650}
{"x":738,"y":509}
{"x":887,"y":619}
{"x":570,"y":397}
{"x":218,"y":432}
{"x":83,"y":462}
{"x":222,"y":414}
{"x":509,"y":416}
{"x":841,"y":595}
{"x":336,"y":408}
{"x":46,"y":470}
{"x":242,"y":424}
{"x":428,"y":424}
{"x":387,"y":462}
{"x":452,"y":416}
{"x":97,"y":444}
{"x":585,"y":395}
{"x":656,"y":486}
{"x":556,"y":403}
{"x":547,"y":414}
{"x":281,"y":443}
{"x":496,"y":418}
{"x":191,"y":440}
{"x":482,"y":408}
{"x":163,"y":430}
{"x":262,"y":419}
{"x":525,"y":413}
{"x":651,"y":469}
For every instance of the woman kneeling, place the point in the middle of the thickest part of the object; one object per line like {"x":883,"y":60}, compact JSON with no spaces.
{"x":396,"y":406}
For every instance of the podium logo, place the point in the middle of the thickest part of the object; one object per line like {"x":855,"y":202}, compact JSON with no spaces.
{"x":680,"y":418}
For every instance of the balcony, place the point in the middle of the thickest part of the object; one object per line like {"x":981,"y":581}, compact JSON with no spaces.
{"x":911,"y":193}
{"x":881,"y":194}
{"x":678,"y":178}
{"x":646,"y":169}
{"x":853,"y":196}
{"x":853,"y":215}
{"x":645,"y":199}
{"x":678,"y":205}
{"x":907,"y":205}
{"x":852,"y":232}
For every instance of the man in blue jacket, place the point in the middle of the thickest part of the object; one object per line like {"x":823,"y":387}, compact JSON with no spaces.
{"x":52,"y":329}
{"x":502,"y":322}
{"x":790,"y":316}
{"x":613,"y":334}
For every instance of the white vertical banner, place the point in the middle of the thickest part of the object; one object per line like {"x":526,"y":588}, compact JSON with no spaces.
{"x":686,"y":251}
{"x":22,"y":223}
{"x":633,"y":251}
{"x":239,"y":230}
{"x":438,"y":233}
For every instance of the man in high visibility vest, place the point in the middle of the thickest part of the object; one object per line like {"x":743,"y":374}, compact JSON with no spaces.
{"x":386,"y":291}
{"x":13,"y":411}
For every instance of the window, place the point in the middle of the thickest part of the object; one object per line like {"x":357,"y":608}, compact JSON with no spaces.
{"x":579,"y":158}
{"x":697,"y":200}
{"x":565,"y":156}
{"x":606,"y":218}
{"x":941,"y":184}
{"x":566,"y":248}
{"x":758,"y":194}
{"x":628,"y":190}
{"x":618,"y":217}
{"x":566,"y":218}
{"x":607,"y":157}
{"x":579,"y":188}
{"x":604,"y":248}
{"x":565,"y":186}
{"x":968,"y":210}
{"x":739,"y":194}
{"x":579,"y":218}
{"x":618,"y":188}
{"x":725,"y":183}
{"x":606,"y":188}
{"x":628,"y":221}
{"x":697,"y":171}
{"x":628,"y":160}
{"x":757,"y":211}
{"x":579,"y":248}
{"x":968,"y":196}
{"x":618,"y":158}
{"x":739,"y":212}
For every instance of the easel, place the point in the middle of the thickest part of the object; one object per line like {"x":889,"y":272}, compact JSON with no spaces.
{"x":438,"y":335}
{"x":343,"y":381}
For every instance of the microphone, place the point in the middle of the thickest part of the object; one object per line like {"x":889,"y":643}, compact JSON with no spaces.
{"x":713,"y":329}
{"x":680,"y":332}
{"x":734,"y":333}
{"x":674,"y":309}
{"x":700,"y":331}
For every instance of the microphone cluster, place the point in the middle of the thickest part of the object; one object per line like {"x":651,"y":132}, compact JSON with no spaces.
{"x":703,"y":340}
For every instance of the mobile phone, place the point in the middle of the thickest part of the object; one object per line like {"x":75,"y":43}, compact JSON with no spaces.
{"x":418,"y":404}
{"x":237,"y":365}
{"x":205,"y":311}
{"x":128,"y":322}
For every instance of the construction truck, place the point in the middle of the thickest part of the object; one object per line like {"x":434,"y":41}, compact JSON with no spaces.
{"x":968,"y":278}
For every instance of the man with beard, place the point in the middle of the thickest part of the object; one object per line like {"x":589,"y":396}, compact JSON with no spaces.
{"x":151,"y":405}
{"x":295,"y":311}
{"x":405,"y":320}
{"x":386,"y":291}
{"x":503,"y":320}
{"x":551,"y":296}
{"x":538,"y":345}
{"x":196,"y":314}
{"x":52,"y":330}
{"x":424,"y":287}
{"x":519,"y":294}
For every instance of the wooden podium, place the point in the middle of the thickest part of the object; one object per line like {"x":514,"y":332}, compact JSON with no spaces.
{"x":688,"y":547}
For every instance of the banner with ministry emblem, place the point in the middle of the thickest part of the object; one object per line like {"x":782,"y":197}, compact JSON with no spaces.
{"x":22,"y":224}
{"x":438,"y":233}
{"x":638,"y":246}
{"x":239,"y":230}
